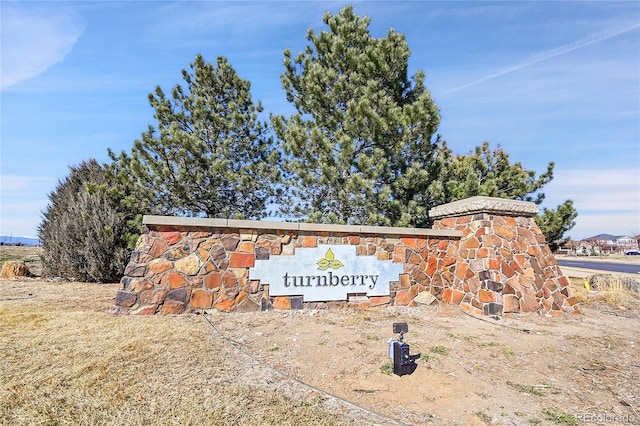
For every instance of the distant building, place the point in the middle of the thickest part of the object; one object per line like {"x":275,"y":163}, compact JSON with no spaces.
{"x":605,"y":244}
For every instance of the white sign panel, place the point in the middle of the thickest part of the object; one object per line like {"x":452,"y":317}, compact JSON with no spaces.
{"x":326,"y":273}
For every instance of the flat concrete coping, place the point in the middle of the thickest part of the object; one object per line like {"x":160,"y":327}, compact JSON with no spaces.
{"x":199,"y":222}
{"x":502,"y":206}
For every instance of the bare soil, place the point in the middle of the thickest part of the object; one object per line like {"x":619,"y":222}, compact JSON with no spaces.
{"x":525,"y":369}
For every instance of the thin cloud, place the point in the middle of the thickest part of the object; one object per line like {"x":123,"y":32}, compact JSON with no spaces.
{"x":607,"y":200}
{"x":22,"y":200}
{"x":33,"y":40}
{"x":594,"y":223}
{"x":597,"y":189}
{"x":233,"y":22}
{"x":593,"y":38}
{"x":15,"y":184}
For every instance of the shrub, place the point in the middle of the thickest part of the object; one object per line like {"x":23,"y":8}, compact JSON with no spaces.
{"x":85,"y":233}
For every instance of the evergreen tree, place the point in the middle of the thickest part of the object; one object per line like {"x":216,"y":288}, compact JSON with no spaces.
{"x":489,"y":172}
{"x":209,"y":155}
{"x":555,"y":223}
{"x":359,"y":149}
{"x":86,"y":233}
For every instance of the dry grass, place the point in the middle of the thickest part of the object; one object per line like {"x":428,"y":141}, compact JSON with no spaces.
{"x":64,"y":359}
{"x":608,"y":288}
{"x":580,"y":292}
{"x":615,"y":290}
{"x":30,"y":255}
{"x":85,"y":366}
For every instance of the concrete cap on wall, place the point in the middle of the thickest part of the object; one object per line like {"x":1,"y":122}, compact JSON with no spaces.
{"x":198,"y":222}
{"x":480,"y":204}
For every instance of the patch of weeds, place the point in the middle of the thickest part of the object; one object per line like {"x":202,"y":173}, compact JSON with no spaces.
{"x":488,"y":344}
{"x":274,"y":348}
{"x":508,"y":351}
{"x":483,"y":416}
{"x":535,"y":421}
{"x":372,"y":337}
{"x":533,"y":390}
{"x":550,"y":387}
{"x":316,"y":401}
{"x":387,"y":368}
{"x":519,"y":413}
{"x":427,"y":357}
{"x":460,"y":337}
{"x":438,"y":349}
{"x":560,"y":417}
{"x":611,"y":342}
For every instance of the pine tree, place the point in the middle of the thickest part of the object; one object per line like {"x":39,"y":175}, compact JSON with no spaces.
{"x":359,"y":150}
{"x":210,"y":155}
{"x":489,"y":172}
{"x":555,"y":223}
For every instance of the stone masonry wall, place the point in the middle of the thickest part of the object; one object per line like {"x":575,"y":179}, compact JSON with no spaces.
{"x":504,"y":264}
{"x":486,"y":255}
{"x":176,"y":269}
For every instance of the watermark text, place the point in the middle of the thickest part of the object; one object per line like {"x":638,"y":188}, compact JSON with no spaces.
{"x":607,"y":418}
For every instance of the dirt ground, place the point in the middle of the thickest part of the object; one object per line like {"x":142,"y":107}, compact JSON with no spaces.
{"x":473,"y":371}
{"x":527,"y":369}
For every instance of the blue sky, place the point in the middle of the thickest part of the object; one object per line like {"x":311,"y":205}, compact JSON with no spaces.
{"x":548,"y":81}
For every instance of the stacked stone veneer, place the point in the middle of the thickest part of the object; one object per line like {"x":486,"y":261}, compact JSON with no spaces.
{"x":485,"y":254}
{"x":504,"y":264}
{"x":189,"y":264}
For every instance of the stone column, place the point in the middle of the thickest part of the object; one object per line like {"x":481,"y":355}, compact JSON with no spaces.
{"x":504,"y":264}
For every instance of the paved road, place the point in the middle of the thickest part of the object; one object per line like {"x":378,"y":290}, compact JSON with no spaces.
{"x":624,"y":268}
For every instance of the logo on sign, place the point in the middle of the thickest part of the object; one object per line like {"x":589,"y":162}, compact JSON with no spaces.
{"x":329,"y":261}
{"x":326,"y":273}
